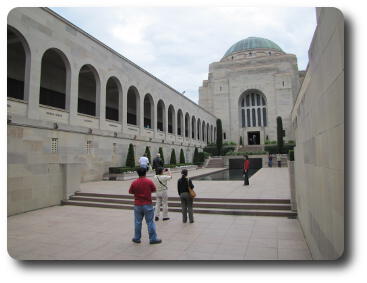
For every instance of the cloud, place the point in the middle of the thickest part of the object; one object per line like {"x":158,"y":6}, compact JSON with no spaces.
{"x":177,"y":44}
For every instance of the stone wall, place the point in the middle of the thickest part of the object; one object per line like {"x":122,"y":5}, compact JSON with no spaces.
{"x":318,"y":124}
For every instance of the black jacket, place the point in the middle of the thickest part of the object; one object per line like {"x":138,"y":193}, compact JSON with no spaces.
{"x":182,"y":185}
{"x":157,"y":162}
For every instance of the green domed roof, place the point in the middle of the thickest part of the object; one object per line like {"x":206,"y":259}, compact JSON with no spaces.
{"x":252,"y":43}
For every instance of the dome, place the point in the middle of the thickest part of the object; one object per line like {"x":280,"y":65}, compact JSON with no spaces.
{"x":252,"y":43}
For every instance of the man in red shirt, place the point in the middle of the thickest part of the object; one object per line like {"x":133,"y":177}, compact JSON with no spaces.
{"x":142,"y":189}
{"x":246,"y":166}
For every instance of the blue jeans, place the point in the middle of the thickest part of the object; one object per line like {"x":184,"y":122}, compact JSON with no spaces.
{"x":139,"y":212}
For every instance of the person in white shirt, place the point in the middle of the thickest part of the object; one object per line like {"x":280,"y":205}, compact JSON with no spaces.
{"x":144,"y":162}
{"x":160,"y":180}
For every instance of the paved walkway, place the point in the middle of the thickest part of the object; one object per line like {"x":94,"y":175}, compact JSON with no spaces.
{"x":71,"y":232}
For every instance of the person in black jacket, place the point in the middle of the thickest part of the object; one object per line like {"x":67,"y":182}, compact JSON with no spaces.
{"x":186,"y":199}
{"x":157,"y":162}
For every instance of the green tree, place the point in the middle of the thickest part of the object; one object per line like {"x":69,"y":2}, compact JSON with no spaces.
{"x":182,"y":157}
{"x":130,"y":159}
{"x":241,"y":142}
{"x":219,"y":136}
{"x":161,"y":153}
{"x":280,"y":134}
{"x":147,"y":152}
{"x":173,"y":157}
{"x":195,"y":159}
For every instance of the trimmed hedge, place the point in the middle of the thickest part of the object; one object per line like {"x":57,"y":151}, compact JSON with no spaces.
{"x":273,"y":149}
{"x":212,"y":150}
{"x":173,"y":157}
{"x":182,"y":156}
{"x":119,"y":170}
{"x":245,"y":153}
{"x":130,"y":159}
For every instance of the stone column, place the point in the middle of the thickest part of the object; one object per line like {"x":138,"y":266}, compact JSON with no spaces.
{"x":32,"y":94}
{"x":124,"y":112}
{"x":102,"y":104}
{"x":140,"y":114}
{"x":73,"y":100}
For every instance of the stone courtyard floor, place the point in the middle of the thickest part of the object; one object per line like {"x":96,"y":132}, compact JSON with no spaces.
{"x":86,"y":233}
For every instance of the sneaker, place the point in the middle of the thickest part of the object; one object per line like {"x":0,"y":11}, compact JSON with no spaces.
{"x":136,"y":241}
{"x":156,"y":218}
{"x":158,"y":241}
{"x":192,"y":221}
{"x":184,"y":221}
{"x":165,"y":218}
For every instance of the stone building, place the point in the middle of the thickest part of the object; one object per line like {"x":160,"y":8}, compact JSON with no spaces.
{"x":254,"y":82}
{"x":74,"y":101}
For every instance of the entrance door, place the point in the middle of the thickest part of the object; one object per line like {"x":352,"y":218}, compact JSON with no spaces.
{"x":253,"y":137}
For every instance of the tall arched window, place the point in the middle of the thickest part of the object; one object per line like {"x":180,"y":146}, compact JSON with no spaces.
{"x":253,"y":109}
{"x":179,"y":122}
{"x":171,"y":119}
{"x":113,"y":99}
{"x":203,"y":131}
{"x":187,"y":123}
{"x":160,"y":116}
{"x":133,"y":103}
{"x":18,"y":62}
{"x":55,"y":74}
{"x":198,"y":129}
{"x":88,"y":89}
{"x":148,"y":111}
{"x":193,"y":127}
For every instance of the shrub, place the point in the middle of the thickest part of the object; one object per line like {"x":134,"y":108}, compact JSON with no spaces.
{"x":280,"y":134}
{"x":130,"y":159}
{"x":273,"y":149}
{"x":161,"y":153}
{"x":182,"y":156}
{"x":195,"y":158}
{"x":291,"y":155}
{"x":119,"y":170}
{"x":241,"y":142}
{"x":173,"y":157}
{"x":147,"y":152}
{"x":219,"y":137}
{"x":201,"y":157}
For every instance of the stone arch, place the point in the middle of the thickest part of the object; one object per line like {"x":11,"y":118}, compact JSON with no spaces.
{"x":198,"y":129}
{"x":18,"y":64}
{"x":252,"y":105}
{"x":187,"y":125}
{"x":148,"y":112}
{"x":133,"y":106}
{"x":193,"y":127}
{"x":171,"y":119}
{"x":161,"y":114}
{"x":88,"y":90}
{"x":113,"y":99}
{"x":180,"y":123}
{"x":55,"y":79}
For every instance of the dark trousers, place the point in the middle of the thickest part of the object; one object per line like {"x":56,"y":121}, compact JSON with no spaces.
{"x":245,"y":177}
{"x":186,"y":204}
{"x":279,"y":163}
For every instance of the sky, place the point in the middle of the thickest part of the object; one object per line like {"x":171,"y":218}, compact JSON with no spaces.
{"x":177,"y":44}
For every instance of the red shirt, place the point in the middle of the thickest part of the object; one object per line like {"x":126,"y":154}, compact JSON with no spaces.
{"x":247,"y":164}
{"x":142,"y":189}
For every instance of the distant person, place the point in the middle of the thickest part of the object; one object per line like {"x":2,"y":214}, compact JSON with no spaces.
{"x":270,"y":160}
{"x":160,"y":179}
{"x":246,"y":167}
{"x":142,"y":189}
{"x":157,"y":162}
{"x":253,"y":139}
{"x":186,"y":200}
{"x":279,"y":160}
{"x":144,"y":162}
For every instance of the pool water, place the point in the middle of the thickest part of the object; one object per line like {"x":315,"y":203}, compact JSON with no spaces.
{"x":226,"y":175}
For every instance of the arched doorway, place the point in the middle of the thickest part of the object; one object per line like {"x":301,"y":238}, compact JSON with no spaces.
{"x":148,"y":111}
{"x":113,"y":99}
{"x":133,"y":106}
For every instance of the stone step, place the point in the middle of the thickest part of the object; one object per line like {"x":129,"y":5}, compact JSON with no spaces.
{"x":177,"y":203}
{"x":283,"y":213}
{"x":198,"y":199}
